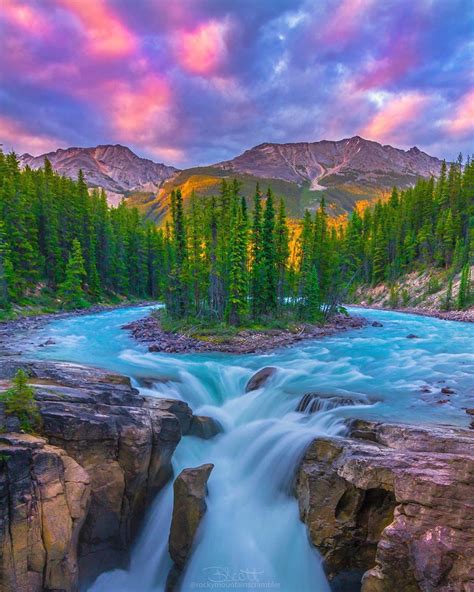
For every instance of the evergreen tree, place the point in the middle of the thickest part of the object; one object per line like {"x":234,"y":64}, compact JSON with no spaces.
{"x":464,"y":294}
{"x":71,"y":290}
{"x":257,"y":272}
{"x":19,"y":401}
{"x":282,"y":252}
{"x":312,"y":297}
{"x":237,"y":305}
{"x":269,"y":297}
{"x":7,"y":279}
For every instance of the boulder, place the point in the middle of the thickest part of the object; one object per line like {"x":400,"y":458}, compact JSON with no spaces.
{"x":178,"y":408}
{"x":314,"y":402}
{"x":44,"y":500}
{"x":189,"y":506}
{"x":470,"y":412}
{"x":260,"y":378}
{"x":446,"y":390}
{"x":391,"y":505}
{"x":377,"y":324}
{"x":204,"y":427}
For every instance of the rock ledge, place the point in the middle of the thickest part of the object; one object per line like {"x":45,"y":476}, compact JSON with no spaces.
{"x":392,"y":505}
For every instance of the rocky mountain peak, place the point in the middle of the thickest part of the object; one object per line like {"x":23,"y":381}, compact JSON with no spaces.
{"x":111,"y":166}
{"x":321,"y":164}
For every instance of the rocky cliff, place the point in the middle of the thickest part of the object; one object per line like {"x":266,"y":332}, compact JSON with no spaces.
{"x":44,"y":501}
{"x":109,"y":443}
{"x":393,"y":505}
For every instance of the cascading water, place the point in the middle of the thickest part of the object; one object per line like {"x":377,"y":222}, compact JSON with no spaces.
{"x":251,"y":536}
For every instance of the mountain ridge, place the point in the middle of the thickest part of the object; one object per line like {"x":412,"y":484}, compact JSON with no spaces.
{"x":344,"y":171}
{"x":113,"y":167}
{"x":313,"y":161}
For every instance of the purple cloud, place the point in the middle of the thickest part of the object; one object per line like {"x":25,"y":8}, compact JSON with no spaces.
{"x":193,"y":82}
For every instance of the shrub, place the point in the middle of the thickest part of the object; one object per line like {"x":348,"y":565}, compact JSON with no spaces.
{"x":433,"y":285}
{"x":393,"y":297}
{"x":19,"y":401}
{"x":405,"y":297}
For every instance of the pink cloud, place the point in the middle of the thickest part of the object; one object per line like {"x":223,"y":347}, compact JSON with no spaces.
{"x":136,"y":106}
{"x":105,"y":34}
{"x":203,"y":50}
{"x":462,"y":122}
{"x":398,"y":60}
{"x":14,"y":136}
{"x":23,"y":16}
{"x":344,"y":23}
{"x":166,"y":153}
{"x":396,"y":113}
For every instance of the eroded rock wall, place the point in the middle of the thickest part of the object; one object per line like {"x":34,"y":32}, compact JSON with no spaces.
{"x":44,"y":497}
{"x":123,"y":442}
{"x":392,"y":505}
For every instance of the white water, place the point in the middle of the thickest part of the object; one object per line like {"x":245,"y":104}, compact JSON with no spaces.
{"x":251,"y":536}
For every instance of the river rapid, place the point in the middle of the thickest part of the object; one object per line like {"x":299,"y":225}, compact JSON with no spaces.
{"x":251,"y":536}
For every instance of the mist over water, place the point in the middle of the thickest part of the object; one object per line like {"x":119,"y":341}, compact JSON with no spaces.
{"x":251,"y":531}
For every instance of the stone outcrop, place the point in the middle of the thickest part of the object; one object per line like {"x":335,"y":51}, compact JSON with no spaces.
{"x":470,"y":412}
{"x":314,"y":402}
{"x":392,"y":505}
{"x":204,"y":427}
{"x":189,"y":506}
{"x":44,"y":497}
{"x":260,"y":378}
{"x":123,"y":442}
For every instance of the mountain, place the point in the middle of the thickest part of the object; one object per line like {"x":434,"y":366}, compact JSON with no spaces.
{"x":115,"y":168}
{"x":344,"y":172}
{"x":326,"y":164}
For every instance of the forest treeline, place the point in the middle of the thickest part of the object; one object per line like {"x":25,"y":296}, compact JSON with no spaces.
{"x":428,"y":226}
{"x":223,"y":258}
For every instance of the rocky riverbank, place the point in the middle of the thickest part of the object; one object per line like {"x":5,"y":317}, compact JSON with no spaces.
{"x":149,"y":332}
{"x":421,"y":292}
{"x":462,"y":316}
{"x":392,"y":505}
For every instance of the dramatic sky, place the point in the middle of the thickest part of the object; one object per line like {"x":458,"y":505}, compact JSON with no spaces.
{"x":190,"y":82}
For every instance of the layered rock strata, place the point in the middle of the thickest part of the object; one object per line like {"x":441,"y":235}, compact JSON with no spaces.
{"x":392,"y":506}
{"x":123,"y":444}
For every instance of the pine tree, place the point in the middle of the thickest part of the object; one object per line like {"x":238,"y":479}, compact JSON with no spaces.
{"x":19,"y":401}
{"x":257,"y":272}
{"x":448,"y":299}
{"x":464,"y":294}
{"x":305,"y":261}
{"x":7,"y":278}
{"x":282,"y":252}
{"x":71,"y":290}
{"x":180,"y":271}
{"x":379,"y":257}
{"x":237,"y":305}
{"x":269,"y":257}
{"x":312,"y":297}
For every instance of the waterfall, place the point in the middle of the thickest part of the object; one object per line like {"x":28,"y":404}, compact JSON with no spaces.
{"x":251,"y":535}
{"x":251,"y":532}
